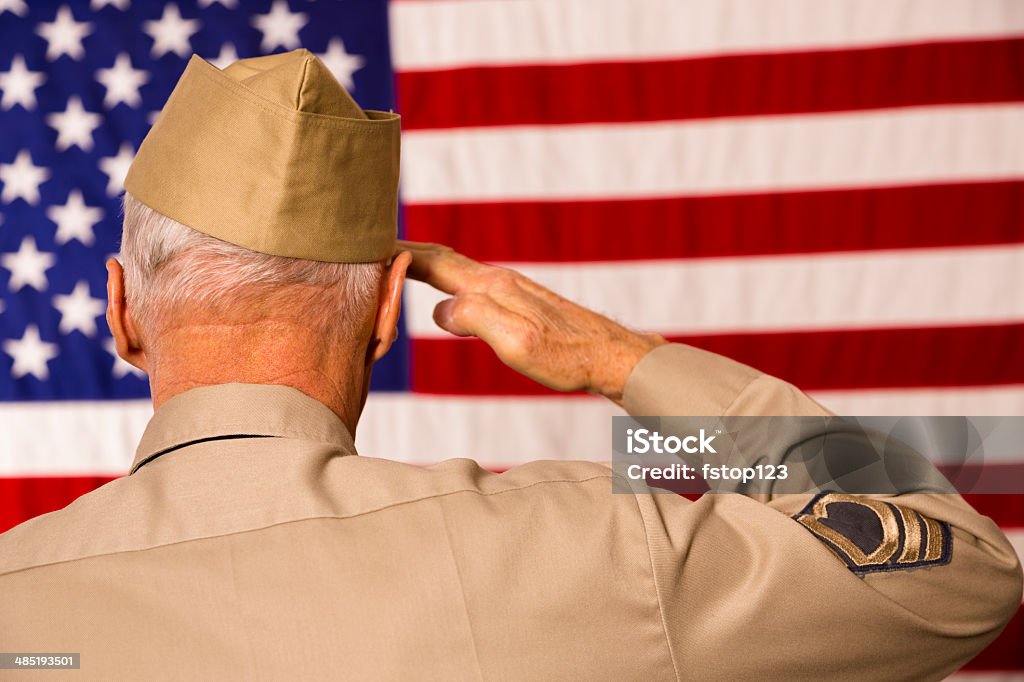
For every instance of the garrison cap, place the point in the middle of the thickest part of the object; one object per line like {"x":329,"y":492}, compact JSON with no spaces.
{"x":272,"y":154}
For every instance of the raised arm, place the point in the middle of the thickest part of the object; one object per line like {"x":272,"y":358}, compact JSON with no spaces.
{"x":798,"y":587}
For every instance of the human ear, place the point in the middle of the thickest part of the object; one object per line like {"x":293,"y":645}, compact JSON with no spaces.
{"x":122,"y":328}
{"x":385,"y":328}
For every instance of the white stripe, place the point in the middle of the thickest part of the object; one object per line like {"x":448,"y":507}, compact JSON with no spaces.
{"x":458,"y":33}
{"x":70,"y":438}
{"x":976,"y":285}
{"x":715,"y":156}
{"x":84,"y":438}
{"x":970,"y":401}
{"x":509,"y":431}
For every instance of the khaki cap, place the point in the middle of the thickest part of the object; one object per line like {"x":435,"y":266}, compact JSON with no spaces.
{"x":273,"y":155}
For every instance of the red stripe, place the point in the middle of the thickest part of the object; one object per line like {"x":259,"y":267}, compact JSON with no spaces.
{"x":925,"y":357}
{"x":1005,"y":510}
{"x":742,"y":225}
{"x":986,"y":479}
{"x":1006,"y":652}
{"x":737,"y":85}
{"x":23,"y":498}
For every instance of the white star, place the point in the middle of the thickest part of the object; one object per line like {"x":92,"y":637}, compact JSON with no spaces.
{"x":280,"y":27}
{"x":64,"y":35}
{"x":75,"y":220}
{"x":116,"y":168}
{"x":341,"y":63}
{"x":122,"y":82}
{"x":121,"y":368}
{"x":78,"y":310}
{"x":17,"y":7}
{"x":74,"y":127}
{"x":171,"y":33}
{"x":100,"y":4}
{"x":228,"y":56}
{"x":227,"y":3}
{"x":22,"y":179}
{"x":28,"y":266}
{"x":19,"y":84}
{"x":30,"y":354}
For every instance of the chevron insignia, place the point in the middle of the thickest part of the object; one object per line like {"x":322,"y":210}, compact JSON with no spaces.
{"x":872,"y":535}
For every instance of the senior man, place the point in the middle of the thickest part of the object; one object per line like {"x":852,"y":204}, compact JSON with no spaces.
{"x":260,"y":282}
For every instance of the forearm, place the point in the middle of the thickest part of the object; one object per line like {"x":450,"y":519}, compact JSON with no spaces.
{"x":679,"y":380}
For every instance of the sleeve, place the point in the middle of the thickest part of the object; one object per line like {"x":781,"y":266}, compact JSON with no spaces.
{"x":800,"y":587}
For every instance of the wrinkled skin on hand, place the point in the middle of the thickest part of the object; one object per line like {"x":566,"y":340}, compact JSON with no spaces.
{"x":536,"y":332}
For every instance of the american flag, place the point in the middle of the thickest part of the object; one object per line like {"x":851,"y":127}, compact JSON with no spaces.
{"x":830,"y":191}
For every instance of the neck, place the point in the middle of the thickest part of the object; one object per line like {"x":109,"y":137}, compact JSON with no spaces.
{"x":277,"y":352}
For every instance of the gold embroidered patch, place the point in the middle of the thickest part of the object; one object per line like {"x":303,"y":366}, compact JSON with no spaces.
{"x":872,"y":535}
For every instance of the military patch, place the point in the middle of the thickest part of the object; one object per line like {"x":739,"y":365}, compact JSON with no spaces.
{"x":871,"y":535}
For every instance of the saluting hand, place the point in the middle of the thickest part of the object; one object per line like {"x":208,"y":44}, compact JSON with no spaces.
{"x":534,"y":331}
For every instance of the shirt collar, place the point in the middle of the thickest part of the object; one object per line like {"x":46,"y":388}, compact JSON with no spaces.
{"x":227,"y":410}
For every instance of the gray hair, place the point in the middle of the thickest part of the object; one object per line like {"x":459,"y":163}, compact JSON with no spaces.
{"x":170,"y":267}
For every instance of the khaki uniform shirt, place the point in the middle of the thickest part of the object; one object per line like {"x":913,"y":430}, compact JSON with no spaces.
{"x":250,"y":542}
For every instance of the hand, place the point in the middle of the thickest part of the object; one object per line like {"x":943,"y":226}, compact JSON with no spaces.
{"x":534,"y":331}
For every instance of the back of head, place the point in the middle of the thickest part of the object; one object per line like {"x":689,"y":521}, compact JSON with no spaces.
{"x":175,"y":275}
{"x":262,"y":191}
